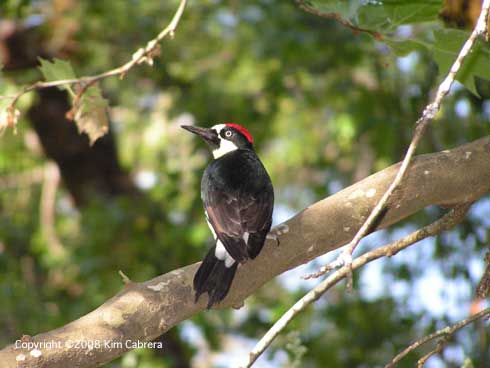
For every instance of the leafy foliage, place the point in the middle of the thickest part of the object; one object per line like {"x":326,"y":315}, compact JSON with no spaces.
{"x":386,"y":16}
{"x":57,"y":70}
{"x":448,"y":42}
{"x":383,"y":16}
{"x":90,"y":114}
{"x":327,"y":107}
{"x":89,"y":107}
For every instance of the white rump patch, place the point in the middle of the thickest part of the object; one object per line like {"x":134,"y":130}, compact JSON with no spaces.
{"x":245,"y":237}
{"x":221,"y":253}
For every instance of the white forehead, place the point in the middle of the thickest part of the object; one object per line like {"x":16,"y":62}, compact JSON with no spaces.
{"x":218,"y":127}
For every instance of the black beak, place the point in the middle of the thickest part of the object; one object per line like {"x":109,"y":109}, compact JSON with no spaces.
{"x":209,"y":135}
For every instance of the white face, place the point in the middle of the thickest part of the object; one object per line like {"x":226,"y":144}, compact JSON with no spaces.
{"x":225,"y":146}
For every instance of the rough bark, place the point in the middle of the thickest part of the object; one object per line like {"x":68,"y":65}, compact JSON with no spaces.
{"x":143,"y":311}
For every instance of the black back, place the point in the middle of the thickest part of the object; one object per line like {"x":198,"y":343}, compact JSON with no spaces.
{"x":238,"y":197}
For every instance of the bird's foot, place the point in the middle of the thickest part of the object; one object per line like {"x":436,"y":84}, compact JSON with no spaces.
{"x":278,"y":231}
{"x":272,"y":236}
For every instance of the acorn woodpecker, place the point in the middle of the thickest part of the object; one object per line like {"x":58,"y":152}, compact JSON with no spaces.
{"x":238,"y":200}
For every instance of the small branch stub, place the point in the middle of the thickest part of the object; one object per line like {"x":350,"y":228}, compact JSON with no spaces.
{"x":126,"y":280}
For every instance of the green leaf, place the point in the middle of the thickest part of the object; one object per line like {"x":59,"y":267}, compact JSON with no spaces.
{"x":394,"y":13}
{"x":382,"y":16}
{"x":90,"y":114}
{"x":445,"y":46}
{"x":448,"y":43}
{"x":346,"y":9}
{"x":57,"y":70}
{"x":403,"y":47}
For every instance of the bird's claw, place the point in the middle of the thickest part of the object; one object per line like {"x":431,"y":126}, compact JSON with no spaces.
{"x":274,"y":237}
{"x":278,"y":230}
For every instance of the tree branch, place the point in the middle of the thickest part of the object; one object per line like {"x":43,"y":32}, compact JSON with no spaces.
{"x":143,"y":311}
{"x":443,"y":334}
{"x":304,"y":5}
{"x":483,"y":288}
{"x":447,"y":222}
{"x":142,"y":55}
{"x":427,"y":116}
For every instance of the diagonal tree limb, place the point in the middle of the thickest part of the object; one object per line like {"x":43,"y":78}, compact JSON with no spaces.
{"x":345,"y":259}
{"x":447,"y":222}
{"x":143,"y":311}
{"x":480,"y":30}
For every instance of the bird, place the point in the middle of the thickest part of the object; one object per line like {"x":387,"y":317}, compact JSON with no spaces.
{"x":238,"y":201}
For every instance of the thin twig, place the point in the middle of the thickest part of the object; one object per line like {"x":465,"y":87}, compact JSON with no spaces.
{"x":437,"y":350}
{"x":447,"y":222}
{"x":126,"y":280}
{"x":427,"y":116}
{"x":443,"y":333}
{"x":142,"y":55}
{"x":483,"y":288}
{"x":304,"y":5}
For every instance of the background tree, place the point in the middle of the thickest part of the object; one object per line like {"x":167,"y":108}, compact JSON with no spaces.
{"x":328,"y":106}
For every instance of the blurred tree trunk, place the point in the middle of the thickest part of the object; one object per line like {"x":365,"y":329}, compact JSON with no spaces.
{"x":461,"y":13}
{"x":87,"y":171}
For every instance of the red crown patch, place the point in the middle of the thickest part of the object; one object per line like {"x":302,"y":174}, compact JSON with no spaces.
{"x":242,"y":130}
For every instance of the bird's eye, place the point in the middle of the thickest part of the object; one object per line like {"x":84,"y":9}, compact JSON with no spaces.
{"x":228,"y":134}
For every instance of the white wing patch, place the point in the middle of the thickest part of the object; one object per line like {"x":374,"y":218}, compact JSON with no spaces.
{"x":221,"y":253}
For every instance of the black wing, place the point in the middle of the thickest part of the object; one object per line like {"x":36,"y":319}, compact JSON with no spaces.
{"x":240,"y":213}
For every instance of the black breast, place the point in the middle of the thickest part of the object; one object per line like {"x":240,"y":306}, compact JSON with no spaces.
{"x":240,"y":170}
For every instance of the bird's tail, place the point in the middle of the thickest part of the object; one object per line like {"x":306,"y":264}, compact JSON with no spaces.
{"x":214,"y":278}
